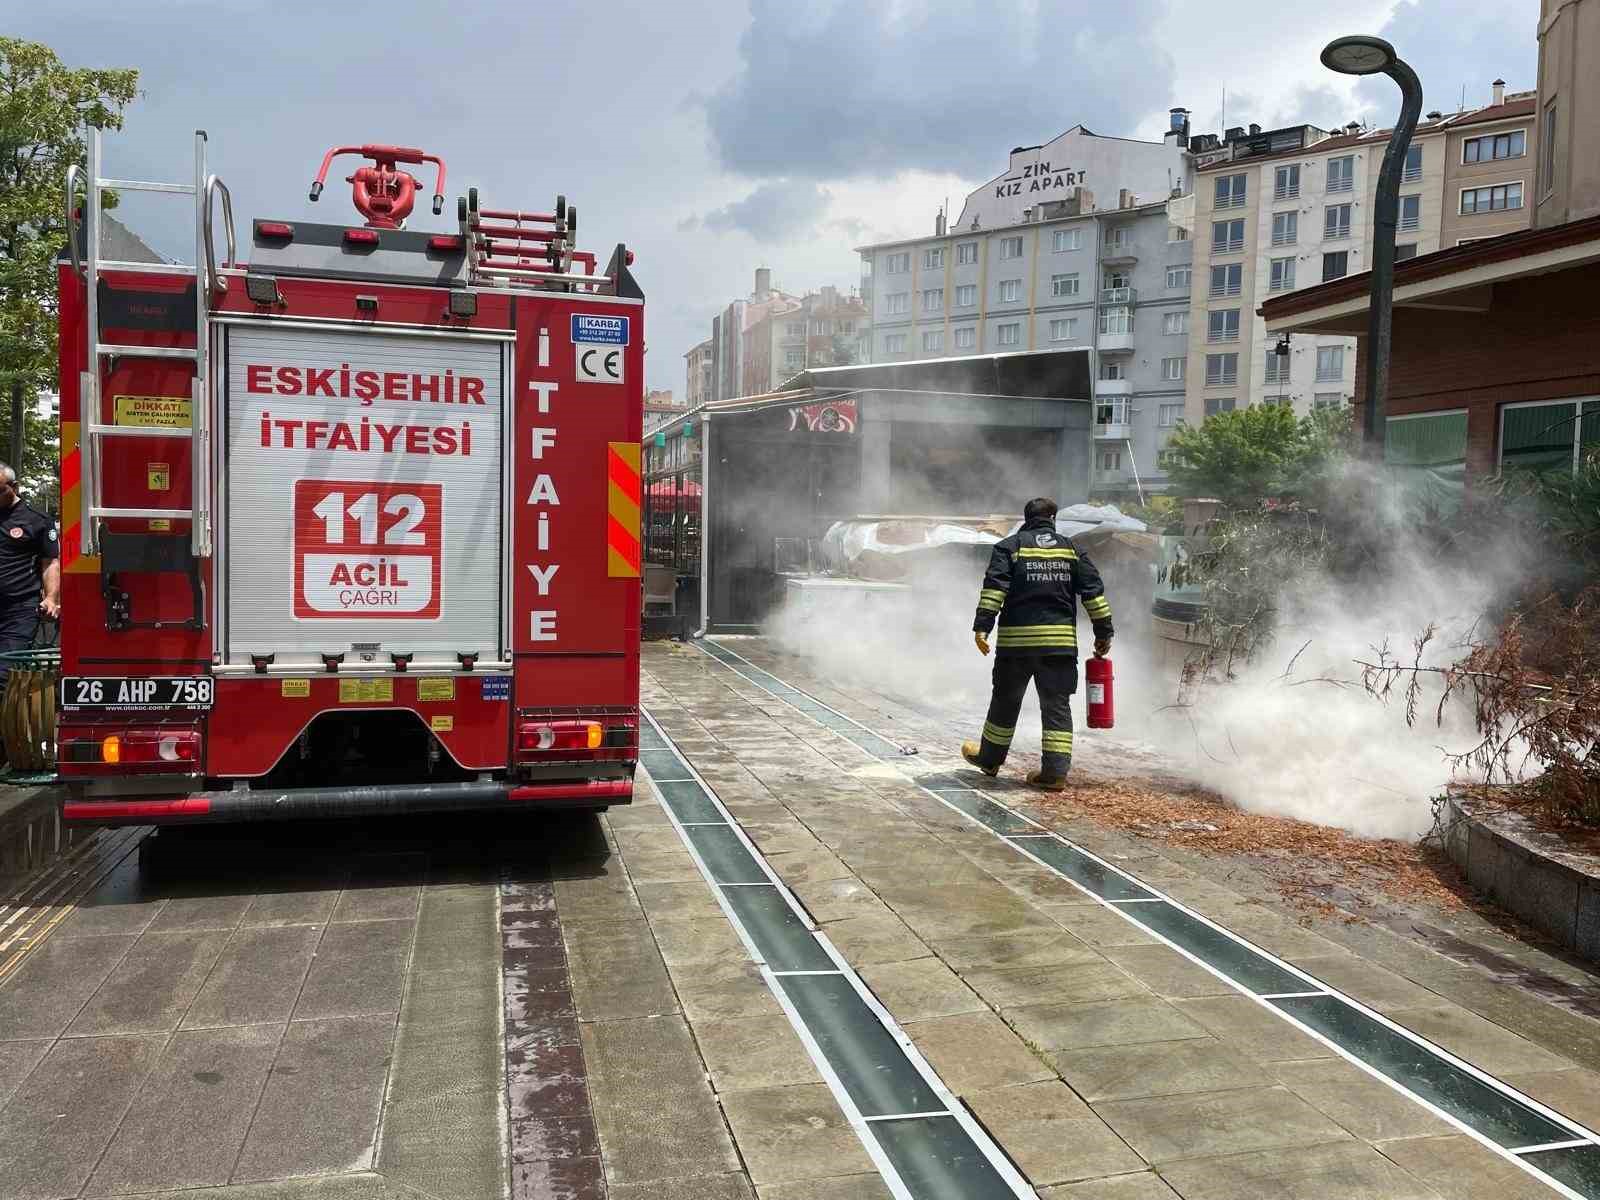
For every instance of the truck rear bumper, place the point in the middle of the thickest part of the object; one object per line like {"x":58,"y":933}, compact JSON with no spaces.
{"x":377,"y":801}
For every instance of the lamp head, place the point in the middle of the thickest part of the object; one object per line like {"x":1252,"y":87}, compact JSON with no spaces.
{"x":1358,"y":55}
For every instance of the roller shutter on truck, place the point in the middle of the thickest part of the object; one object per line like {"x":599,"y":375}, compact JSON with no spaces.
{"x":364,"y":476}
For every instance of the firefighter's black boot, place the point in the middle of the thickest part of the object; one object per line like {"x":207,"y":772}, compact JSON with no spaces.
{"x":984,"y":756}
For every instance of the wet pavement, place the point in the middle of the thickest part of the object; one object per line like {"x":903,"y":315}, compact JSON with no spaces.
{"x":562,"y":1007}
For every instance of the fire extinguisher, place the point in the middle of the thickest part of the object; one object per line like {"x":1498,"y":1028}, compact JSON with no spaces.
{"x":1098,"y":677}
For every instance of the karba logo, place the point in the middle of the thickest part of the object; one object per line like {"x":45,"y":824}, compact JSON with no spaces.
{"x":365,"y":387}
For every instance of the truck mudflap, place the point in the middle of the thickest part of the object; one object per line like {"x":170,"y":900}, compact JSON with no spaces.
{"x":284,"y":804}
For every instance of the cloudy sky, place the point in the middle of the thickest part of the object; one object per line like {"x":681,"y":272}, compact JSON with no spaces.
{"x":716,"y":136}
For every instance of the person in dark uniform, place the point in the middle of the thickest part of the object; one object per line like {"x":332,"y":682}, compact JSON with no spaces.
{"x":1035,"y":579}
{"x":30,"y":570}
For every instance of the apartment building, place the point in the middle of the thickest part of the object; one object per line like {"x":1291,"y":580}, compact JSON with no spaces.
{"x":660,"y":406}
{"x":697,"y":369}
{"x":1568,"y":180}
{"x":729,"y":346}
{"x":1291,"y":208}
{"x":821,"y":330}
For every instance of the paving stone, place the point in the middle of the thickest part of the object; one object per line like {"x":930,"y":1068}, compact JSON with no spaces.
{"x":1141,"y":1186}
{"x":1051,"y":1134}
{"x":1371,"y":985}
{"x":727,"y":989}
{"x":1482,"y":1043}
{"x":185,"y":1126}
{"x":808,"y":866}
{"x":975,"y":1051}
{"x":753,"y":1052}
{"x":1097,"y":925}
{"x":117,"y":906}
{"x":319,"y":1112}
{"x":617,"y":972}
{"x":794,"y":1133}
{"x":678,"y":901}
{"x":1462,"y":1169}
{"x":702,"y":1187}
{"x":829,"y":900}
{"x":355,"y":1186}
{"x":1254,"y":1031}
{"x":662,"y":865}
{"x":1167,"y":973}
{"x":875,"y":939}
{"x":311,"y":905}
{"x":257,"y":978}
{"x":558,"y":1179}
{"x":596,"y":893}
{"x":17,"y":1059}
{"x":381,"y":894}
{"x":360,"y":970}
{"x":1042,"y":949}
{"x":655,"y":1112}
{"x":1075,"y":983}
{"x":187,"y":914}
{"x":1101,"y":1023}
{"x":699,"y":940}
{"x":1165,"y":1128}
{"x":921,"y":988}
{"x":61,"y":1117}
{"x":153,"y":986}
{"x":1157,"y":1069}
{"x":1573,"y":1093}
{"x":44,"y":994}
{"x":848,"y":1187}
{"x":1348,"y":1170}
{"x":1368,"y":1108}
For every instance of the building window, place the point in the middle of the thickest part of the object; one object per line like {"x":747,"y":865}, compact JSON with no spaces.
{"x":1223,"y":326}
{"x":1286,"y":182}
{"x":896,"y":303}
{"x":1227,"y":280}
{"x":1336,"y":221}
{"x":897,"y":264}
{"x":1327,"y":400}
{"x":1064,"y":329}
{"x":1177,"y":233}
{"x":1335,"y":265}
{"x":1330,"y":363}
{"x":1174,"y":323}
{"x":1227,"y":237}
{"x":933,"y":300}
{"x":1410,"y":212}
{"x":1277,"y":369}
{"x":847,"y":326}
{"x":894,"y":343}
{"x":966,"y":295}
{"x":1113,"y":368}
{"x":1221,"y":368}
{"x":1010,"y":291}
{"x":1547,"y":159}
{"x":1118,"y":237}
{"x":794,"y":358}
{"x":1178,"y":278}
{"x":1062,"y":240}
{"x":1172,"y":370}
{"x":933,"y":259}
{"x":1405,"y":250}
{"x":1111,"y":460}
{"x":966,"y":254}
{"x":966,"y":338}
{"x":933,"y":341}
{"x":1215,"y":405}
{"x":1413,"y":167}
{"x":1498,"y":198}
{"x":1494,"y":145}
{"x":1545,"y":435}
{"x":1011,"y":247}
{"x":1008,"y":335}
{"x":1116,"y":320}
{"x":1280,"y":275}
{"x":1064,"y":285}
{"x":1230,"y":192}
{"x":1341,"y":173}
{"x":1285,"y":228}
{"x":1169,"y":416}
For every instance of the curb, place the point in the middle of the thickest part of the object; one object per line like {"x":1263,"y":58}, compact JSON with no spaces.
{"x":1529,"y":873}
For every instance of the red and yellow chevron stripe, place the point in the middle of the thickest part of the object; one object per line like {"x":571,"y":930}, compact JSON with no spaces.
{"x":622,"y":509}
{"x":73,"y":562}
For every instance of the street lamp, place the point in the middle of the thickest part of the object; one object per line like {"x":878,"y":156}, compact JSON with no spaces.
{"x":1374,"y":56}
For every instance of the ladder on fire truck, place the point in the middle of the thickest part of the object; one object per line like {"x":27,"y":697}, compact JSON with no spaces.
{"x":88,"y":185}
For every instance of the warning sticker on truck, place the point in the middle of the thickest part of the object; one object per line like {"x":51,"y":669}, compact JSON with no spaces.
{"x":367,"y":549}
{"x":154,"y":412}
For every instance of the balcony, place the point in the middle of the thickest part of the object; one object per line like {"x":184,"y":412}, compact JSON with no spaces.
{"x":1113,"y":431}
{"x":1119,"y":254}
{"x":1119,"y":297}
{"x":1116,"y":342}
{"x":1113,"y":387}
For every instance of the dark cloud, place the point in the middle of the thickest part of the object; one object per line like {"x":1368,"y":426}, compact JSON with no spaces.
{"x":1454,"y":46}
{"x":774,"y":212}
{"x":849,"y":89}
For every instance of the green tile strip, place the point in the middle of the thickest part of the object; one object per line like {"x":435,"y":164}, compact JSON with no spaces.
{"x":1492,"y":1111}
{"x":867,"y":1061}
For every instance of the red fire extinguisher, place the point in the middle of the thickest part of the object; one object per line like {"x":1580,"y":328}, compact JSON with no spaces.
{"x":1098,"y":677}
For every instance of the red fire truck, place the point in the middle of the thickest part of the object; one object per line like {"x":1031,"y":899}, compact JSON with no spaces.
{"x":351,"y":528}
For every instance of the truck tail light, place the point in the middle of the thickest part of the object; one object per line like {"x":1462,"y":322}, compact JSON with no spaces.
{"x":157,"y":749}
{"x":538,"y":737}
{"x":556,"y":737}
{"x":361,"y":237}
{"x":275,"y":229}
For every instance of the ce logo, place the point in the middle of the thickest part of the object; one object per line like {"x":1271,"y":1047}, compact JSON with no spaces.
{"x":610,"y":363}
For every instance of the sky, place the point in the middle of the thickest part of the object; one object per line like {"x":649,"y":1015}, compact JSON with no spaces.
{"x":717,"y":136}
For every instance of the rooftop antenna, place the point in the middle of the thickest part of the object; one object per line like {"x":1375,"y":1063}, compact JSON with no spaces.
{"x":1224,"y":106}
{"x":1463,"y":105}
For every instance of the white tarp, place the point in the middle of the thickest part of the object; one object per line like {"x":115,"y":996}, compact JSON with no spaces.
{"x":363,"y":495}
{"x":849,"y":540}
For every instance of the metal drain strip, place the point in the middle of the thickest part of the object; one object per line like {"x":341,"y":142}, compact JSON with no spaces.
{"x":923,"y":1141}
{"x":1553,"y":1148}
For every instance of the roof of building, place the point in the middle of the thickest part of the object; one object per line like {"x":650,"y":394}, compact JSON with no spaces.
{"x":957,"y":232}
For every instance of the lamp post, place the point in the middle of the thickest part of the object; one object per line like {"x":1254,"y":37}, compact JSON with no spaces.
{"x":1374,"y":56}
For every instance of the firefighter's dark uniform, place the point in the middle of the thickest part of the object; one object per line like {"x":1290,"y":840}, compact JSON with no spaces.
{"x":1032,"y":586}
{"x":27,"y":541}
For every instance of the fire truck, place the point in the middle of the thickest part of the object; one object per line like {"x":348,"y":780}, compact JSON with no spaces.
{"x":350,"y":528}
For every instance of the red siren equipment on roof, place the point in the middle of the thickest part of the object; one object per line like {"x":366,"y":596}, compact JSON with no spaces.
{"x":383,"y":193}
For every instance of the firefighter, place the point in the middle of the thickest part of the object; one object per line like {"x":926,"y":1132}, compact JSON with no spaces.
{"x":30,"y":570}
{"x":1034,"y":580}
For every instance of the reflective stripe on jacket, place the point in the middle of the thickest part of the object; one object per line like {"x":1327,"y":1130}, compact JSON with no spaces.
{"x":1035,"y":579}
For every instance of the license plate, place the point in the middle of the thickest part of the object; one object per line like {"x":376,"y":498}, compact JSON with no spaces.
{"x":137,"y":693}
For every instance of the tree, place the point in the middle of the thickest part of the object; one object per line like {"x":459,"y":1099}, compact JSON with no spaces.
{"x":1251,"y":454}
{"x":44,"y":108}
